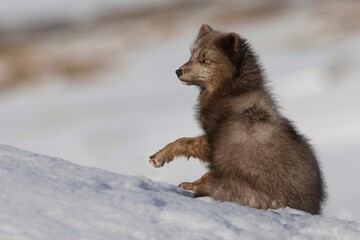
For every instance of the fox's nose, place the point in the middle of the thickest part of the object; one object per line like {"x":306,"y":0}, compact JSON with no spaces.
{"x":178,"y":72}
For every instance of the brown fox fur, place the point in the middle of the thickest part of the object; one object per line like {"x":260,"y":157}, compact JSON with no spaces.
{"x":255,"y":155}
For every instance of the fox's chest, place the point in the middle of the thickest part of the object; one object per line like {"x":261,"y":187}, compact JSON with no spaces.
{"x":211,"y":118}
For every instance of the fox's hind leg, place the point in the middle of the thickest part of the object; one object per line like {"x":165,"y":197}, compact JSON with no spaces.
{"x":201,"y":187}
{"x":187,"y":147}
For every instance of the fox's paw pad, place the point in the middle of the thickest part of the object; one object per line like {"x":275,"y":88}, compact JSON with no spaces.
{"x":157,"y":160}
{"x":156,"y":163}
{"x":187,"y":186}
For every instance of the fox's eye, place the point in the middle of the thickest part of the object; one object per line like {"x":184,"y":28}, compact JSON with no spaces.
{"x":206,"y":61}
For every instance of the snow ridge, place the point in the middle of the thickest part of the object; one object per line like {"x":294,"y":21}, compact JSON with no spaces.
{"x":49,"y":198}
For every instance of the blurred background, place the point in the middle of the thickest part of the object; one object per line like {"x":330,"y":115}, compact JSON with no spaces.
{"x":93,"y":82}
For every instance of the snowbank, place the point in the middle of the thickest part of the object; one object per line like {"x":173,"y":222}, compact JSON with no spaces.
{"x":49,"y":198}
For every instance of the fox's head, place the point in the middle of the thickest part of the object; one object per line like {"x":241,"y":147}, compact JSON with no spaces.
{"x":221,"y":61}
{"x":214,"y":57}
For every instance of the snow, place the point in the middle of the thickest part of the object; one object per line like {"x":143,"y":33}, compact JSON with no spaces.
{"x":49,"y":198}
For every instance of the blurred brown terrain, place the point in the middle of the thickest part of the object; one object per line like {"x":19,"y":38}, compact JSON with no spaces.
{"x":80,"y":51}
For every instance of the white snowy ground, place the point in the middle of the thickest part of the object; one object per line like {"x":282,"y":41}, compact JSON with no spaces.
{"x":48,"y":198}
{"x":132,"y":111}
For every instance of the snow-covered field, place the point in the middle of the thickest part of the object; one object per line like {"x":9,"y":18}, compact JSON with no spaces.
{"x":138,"y":105}
{"x":49,"y":198}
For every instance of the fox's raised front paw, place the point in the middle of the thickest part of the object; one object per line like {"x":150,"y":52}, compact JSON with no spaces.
{"x":158,"y":159}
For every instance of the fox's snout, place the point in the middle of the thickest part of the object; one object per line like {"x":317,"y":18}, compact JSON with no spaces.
{"x":188,"y":74}
{"x":179,"y":72}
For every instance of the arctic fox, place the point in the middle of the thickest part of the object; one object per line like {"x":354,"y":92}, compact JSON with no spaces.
{"x":255,"y":156}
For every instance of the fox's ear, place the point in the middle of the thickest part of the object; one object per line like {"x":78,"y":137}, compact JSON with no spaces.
{"x":204,"y":30}
{"x":230,"y":43}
